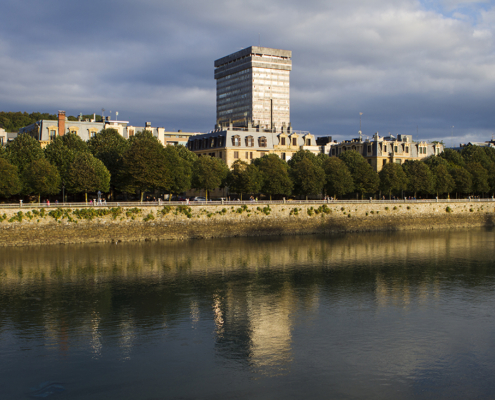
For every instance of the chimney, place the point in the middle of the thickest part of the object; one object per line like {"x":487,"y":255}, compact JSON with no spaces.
{"x":61,"y":123}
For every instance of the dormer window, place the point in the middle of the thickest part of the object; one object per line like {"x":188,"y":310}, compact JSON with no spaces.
{"x":236,"y":140}
{"x":249,"y":141}
{"x":262,"y":141}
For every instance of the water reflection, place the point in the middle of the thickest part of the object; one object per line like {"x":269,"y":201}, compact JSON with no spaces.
{"x":338,"y":307}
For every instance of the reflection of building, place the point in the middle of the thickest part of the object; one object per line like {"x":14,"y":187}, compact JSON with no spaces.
{"x":382,"y":150}
{"x":253,"y":86}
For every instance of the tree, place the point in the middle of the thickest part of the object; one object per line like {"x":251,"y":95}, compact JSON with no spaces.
{"x":463,"y":180}
{"x":420,"y":179}
{"x":444,"y":183}
{"x":209,"y":173}
{"x":62,"y":151}
{"x":41,"y":178}
{"x":393,"y":179}
{"x":10,"y":184}
{"x":479,"y":177}
{"x":307,"y":176}
{"x":145,"y":166}
{"x":476,"y":154}
{"x":180,"y":168}
{"x":453,"y":157}
{"x":365,"y":179}
{"x":244,"y":178}
{"x":275,"y":175}
{"x":109,"y":147}
{"x":23,"y":150}
{"x":87,"y":174}
{"x":338,"y":181}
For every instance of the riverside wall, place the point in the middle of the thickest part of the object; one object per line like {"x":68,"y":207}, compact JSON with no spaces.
{"x":35,"y":226}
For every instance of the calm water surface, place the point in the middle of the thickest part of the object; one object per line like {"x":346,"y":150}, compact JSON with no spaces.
{"x":375,"y":316}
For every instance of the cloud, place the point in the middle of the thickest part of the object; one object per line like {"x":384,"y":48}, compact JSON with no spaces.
{"x":409,"y":66}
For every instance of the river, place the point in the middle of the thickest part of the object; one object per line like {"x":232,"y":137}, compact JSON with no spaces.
{"x":405,"y":315}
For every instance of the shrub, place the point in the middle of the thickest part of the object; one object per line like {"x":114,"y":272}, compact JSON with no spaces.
{"x":448,"y":209}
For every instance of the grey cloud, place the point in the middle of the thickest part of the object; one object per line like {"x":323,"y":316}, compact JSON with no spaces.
{"x":404,"y":64}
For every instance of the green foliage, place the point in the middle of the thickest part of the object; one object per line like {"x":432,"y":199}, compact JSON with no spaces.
{"x":87,"y":174}
{"x":444,"y":183}
{"x":420,"y":179}
{"x":244,"y":178}
{"x":308,"y":176}
{"x":448,"y":209}
{"x":275,"y":175}
{"x":365,"y":179}
{"x":479,"y":177}
{"x":145,"y":165}
{"x":475,"y":154}
{"x":183,"y":210}
{"x":462,"y":179}
{"x":209,"y":173}
{"x":10,"y":183}
{"x":41,"y":178}
{"x":13,"y":121}
{"x":23,"y":150}
{"x":338,"y":179}
{"x":17,"y":217}
{"x":453,"y":157}
{"x":392,"y":178}
{"x":181,"y":167}
{"x":149,"y":217}
{"x":165,"y":210}
{"x":109,"y":147}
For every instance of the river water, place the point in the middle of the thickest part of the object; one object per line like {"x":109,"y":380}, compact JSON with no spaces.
{"x":406,"y":315}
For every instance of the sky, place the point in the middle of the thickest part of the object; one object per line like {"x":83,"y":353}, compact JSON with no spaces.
{"x":419,"y":67}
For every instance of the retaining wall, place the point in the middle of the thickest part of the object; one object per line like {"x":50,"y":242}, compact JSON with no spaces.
{"x":34,"y":226}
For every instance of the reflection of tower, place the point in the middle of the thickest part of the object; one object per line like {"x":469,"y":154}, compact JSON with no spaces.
{"x":255,"y":328}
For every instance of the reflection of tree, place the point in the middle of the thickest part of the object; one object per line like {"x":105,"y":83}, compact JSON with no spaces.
{"x":249,"y":288}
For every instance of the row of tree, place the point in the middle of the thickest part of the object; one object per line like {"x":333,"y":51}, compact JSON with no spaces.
{"x":110,"y":163}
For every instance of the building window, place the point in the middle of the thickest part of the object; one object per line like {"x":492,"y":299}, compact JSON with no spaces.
{"x":282,"y":142}
{"x":282,"y":156}
{"x":236,"y":140}
{"x":397,"y":161}
{"x":212,"y":142}
{"x":407,"y":150}
{"x":262,"y":141}
{"x":236,"y":154}
{"x":308,"y":142}
{"x":219,"y":154}
{"x":251,"y":155}
{"x":249,"y":141}
{"x":369,"y":149}
{"x":395,"y":149}
{"x":247,"y":155}
{"x":333,"y":152}
{"x":294,"y":141}
{"x":384,"y":149}
{"x":53,"y":134}
{"x":1,"y":140}
{"x":131,"y":132}
{"x":384,"y":162}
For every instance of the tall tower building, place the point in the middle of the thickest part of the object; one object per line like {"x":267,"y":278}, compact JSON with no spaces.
{"x":253,"y":87}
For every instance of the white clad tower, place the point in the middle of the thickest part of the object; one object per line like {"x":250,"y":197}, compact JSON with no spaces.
{"x":253,"y":87}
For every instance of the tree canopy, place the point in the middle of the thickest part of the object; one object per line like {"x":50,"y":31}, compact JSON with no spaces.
{"x":338,"y":179}
{"x":365,"y":179}
{"x":275,"y":175}
{"x":209,"y":173}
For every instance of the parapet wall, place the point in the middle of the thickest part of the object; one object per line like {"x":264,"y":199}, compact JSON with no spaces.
{"x":35,"y":226}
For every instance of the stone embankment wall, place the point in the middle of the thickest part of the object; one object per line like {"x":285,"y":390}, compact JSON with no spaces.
{"x":34,"y":226}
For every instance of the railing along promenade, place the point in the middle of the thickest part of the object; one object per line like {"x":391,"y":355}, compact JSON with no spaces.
{"x":21,"y":205}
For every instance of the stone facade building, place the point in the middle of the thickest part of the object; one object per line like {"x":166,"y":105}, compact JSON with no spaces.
{"x":382,"y":150}
{"x":246,"y":144}
{"x":253,"y":86}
